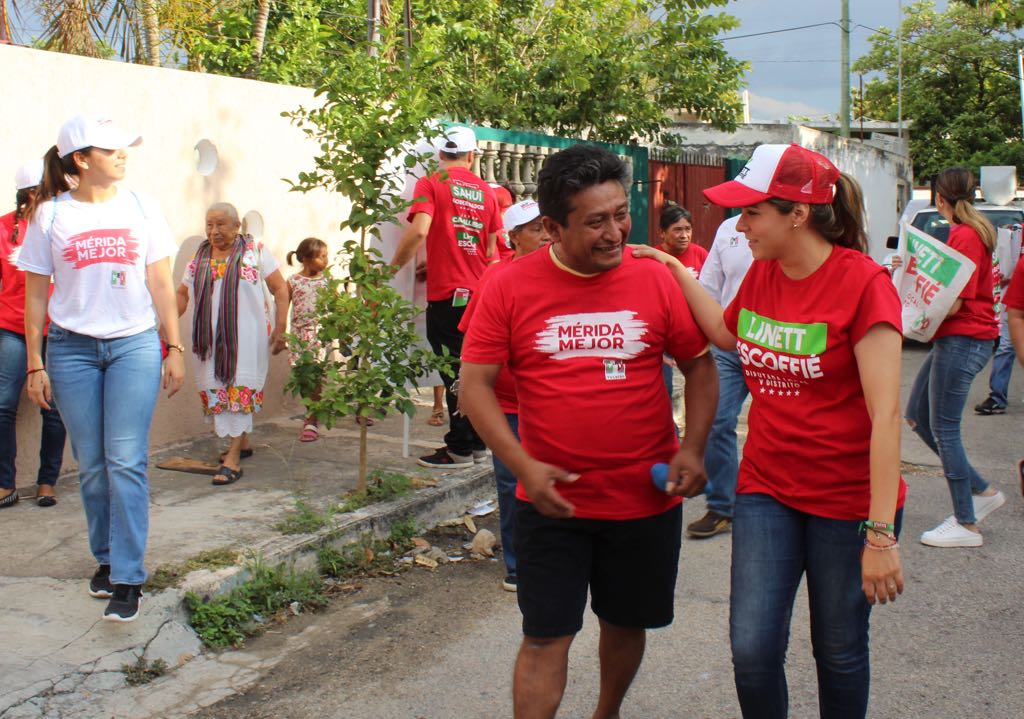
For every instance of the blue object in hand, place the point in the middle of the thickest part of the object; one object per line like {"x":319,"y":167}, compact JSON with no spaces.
{"x":659,"y":475}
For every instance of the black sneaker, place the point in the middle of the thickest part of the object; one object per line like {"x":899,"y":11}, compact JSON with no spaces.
{"x":100,"y":586}
{"x":445,"y":459}
{"x":510,"y":583}
{"x":989,"y":406}
{"x":709,"y":525}
{"x":124,"y":605}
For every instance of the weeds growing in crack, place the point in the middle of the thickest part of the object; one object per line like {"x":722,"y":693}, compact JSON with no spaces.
{"x":143,"y":672}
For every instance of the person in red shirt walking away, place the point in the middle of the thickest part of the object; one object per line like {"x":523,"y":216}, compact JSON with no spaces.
{"x":526,"y":234}
{"x":456,"y":214}
{"x":960,"y":349}
{"x":817,"y":324}
{"x":14,"y":358}
{"x":581,"y":327}
{"x":1014,"y":301}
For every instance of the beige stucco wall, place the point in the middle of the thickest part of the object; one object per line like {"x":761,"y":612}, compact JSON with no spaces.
{"x":173,"y":110}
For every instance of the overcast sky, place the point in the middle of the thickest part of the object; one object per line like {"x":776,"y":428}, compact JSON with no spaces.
{"x":797,"y":73}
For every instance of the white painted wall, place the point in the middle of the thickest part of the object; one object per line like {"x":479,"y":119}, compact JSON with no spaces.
{"x":173,"y":110}
{"x":880,"y":172}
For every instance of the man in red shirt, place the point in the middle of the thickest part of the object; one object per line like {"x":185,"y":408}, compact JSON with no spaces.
{"x":456,"y":214}
{"x":582,"y":328}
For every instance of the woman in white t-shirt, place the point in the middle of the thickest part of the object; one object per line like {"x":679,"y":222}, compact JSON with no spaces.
{"x":107,"y":251}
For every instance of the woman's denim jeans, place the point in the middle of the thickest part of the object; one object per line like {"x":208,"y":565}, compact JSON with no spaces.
{"x":506,"y":484}
{"x":936,"y":407}
{"x":13,"y":363}
{"x":773,"y":546}
{"x":106,"y":391}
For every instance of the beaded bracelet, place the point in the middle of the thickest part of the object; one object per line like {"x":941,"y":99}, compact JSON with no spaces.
{"x":886,"y":548}
{"x":872,"y":524}
{"x":880,"y":533}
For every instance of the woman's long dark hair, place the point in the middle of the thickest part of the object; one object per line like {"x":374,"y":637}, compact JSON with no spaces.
{"x":842,"y":222}
{"x":55,"y":177}
{"x":22,"y":199}
{"x":957,"y":185}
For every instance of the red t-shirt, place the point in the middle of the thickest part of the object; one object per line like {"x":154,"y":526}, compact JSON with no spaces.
{"x":693,"y":257}
{"x":976,"y":316}
{"x":12,"y":279}
{"x":585,"y":353}
{"x":1014,"y":296}
{"x":809,"y":430}
{"x":464,"y":212}
{"x":504,"y":384}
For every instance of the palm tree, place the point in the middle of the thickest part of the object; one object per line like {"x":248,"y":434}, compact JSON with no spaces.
{"x":259,"y":34}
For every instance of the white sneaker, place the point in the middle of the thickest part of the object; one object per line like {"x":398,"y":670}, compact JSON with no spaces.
{"x":951,"y":534}
{"x":984,"y":506}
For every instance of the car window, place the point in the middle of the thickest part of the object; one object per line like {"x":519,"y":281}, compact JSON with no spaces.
{"x":934,"y":224}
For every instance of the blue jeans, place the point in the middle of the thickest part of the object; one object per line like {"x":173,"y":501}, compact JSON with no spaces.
{"x":721,"y":457}
{"x":13,"y":359}
{"x":106,"y":391}
{"x":936,"y":407}
{"x":1002,"y":367}
{"x":506,"y":482}
{"x":773,"y":546}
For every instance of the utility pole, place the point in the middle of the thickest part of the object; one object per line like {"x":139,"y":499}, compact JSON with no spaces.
{"x":373,"y":20}
{"x":1020,"y":70}
{"x":844,"y":69}
{"x":899,"y":72}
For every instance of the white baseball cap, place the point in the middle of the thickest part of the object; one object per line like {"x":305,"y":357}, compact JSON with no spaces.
{"x":456,"y":139}
{"x":29,"y":175}
{"x":93,"y":131}
{"x":521,"y":213}
{"x":786,"y":172}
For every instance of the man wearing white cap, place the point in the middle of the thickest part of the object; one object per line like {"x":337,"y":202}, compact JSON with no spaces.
{"x":526,"y":233}
{"x":456,"y":214}
{"x":13,"y":355}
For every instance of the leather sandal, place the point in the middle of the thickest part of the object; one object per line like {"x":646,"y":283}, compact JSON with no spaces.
{"x":243,"y":454}
{"x":225,"y":475}
{"x":46,"y":500}
{"x":10,"y":500}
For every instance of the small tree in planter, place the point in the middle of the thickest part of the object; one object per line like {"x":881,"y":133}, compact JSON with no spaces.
{"x":371,"y":108}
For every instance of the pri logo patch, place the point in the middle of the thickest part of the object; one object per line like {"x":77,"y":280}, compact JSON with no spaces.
{"x":609,"y":335}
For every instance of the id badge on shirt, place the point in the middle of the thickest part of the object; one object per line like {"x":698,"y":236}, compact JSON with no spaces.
{"x":460,"y":298}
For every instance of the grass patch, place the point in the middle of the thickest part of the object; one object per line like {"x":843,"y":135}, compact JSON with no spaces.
{"x":143,"y":672}
{"x":226,"y":621}
{"x":381,"y":486}
{"x":169,"y":575}
{"x":304,"y":519}
{"x":368,"y":556}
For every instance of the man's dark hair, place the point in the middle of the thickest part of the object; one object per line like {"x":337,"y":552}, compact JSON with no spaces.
{"x":569,"y":172}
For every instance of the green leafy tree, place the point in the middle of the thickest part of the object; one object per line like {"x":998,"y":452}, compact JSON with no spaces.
{"x":959,"y":86}
{"x":370,"y":107}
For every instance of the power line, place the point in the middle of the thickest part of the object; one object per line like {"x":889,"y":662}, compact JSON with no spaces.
{"x":776,"y":32}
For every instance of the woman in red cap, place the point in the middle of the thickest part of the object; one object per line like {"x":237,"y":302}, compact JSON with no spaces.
{"x":818,"y":329}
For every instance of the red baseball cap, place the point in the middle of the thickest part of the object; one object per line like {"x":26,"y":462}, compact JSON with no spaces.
{"x":783,"y":172}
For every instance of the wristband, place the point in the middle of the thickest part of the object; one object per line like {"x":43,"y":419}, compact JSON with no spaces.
{"x":882,"y":548}
{"x":179,"y":348}
{"x":872,"y":524}
{"x":31,"y":372}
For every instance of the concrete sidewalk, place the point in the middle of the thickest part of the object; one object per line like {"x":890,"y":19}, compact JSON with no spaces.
{"x":57,"y":652}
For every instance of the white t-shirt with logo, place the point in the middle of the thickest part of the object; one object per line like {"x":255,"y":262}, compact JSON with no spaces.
{"x":97,"y":253}
{"x":727,"y":263}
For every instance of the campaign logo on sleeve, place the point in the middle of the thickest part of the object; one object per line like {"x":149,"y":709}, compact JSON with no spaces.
{"x":612,"y":335}
{"x":117,"y":247}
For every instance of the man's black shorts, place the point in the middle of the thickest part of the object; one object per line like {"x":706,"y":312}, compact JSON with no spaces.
{"x":629,"y":566}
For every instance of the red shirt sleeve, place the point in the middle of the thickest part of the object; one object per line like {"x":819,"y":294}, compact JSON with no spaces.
{"x":879,"y":304}
{"x":474,"y":298}
{"x":488,"y":336}
{"x":966,"y":241}
{"x":423,"y":198}
{"x":684,"y":339}
{"x":496,"y":224}
{"x":1014,"y":296}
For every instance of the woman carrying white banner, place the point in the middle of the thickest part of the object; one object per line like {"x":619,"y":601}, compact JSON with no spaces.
{"x":961,"y":347}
